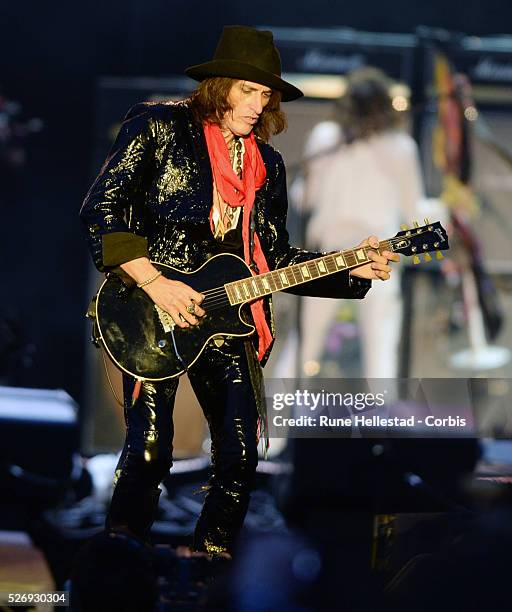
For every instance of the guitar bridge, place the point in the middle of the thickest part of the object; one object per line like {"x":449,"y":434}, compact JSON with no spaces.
{"x":165,"y":319}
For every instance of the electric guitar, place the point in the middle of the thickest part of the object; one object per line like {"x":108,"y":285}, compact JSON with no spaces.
{"x":143,"y":340}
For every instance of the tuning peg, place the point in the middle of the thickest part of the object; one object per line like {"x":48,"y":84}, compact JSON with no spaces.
{"x":404,"y":227}
{"x":415,"y":223}
{"x":415,"y":260}
{"x":426,"y":257}
{"x":439,"y":255}
{"x":427,"y":221}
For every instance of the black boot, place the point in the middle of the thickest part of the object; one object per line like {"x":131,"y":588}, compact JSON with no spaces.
{"x":133,"y":512}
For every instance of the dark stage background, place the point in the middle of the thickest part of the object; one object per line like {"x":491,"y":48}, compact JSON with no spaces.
{"x":51,"y":55}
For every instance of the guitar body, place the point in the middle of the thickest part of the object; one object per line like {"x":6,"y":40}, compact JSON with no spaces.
{"x":136,"y":336}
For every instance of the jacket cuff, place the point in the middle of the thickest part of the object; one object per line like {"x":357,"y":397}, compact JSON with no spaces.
{"x":360,"y":286}
{"x":120,"y":247}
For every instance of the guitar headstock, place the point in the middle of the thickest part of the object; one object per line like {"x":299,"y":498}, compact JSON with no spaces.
{"x":422,"y":240}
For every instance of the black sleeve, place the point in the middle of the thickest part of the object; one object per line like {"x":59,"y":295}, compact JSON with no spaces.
{"x":116,"y":189}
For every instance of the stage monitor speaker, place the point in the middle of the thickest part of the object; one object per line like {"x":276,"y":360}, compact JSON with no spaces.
{"x":38,"y":434}
{"x":379,"y":475}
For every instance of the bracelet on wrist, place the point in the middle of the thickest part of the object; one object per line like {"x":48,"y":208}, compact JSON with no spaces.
{"x":149,"y":280}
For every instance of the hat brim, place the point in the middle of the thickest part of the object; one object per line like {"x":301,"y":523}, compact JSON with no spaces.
{"x":240,"y":70}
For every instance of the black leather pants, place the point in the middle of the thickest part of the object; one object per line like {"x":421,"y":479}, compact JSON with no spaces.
{"x":224,"y":380}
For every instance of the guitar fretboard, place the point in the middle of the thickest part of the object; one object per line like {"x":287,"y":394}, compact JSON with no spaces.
{"x":249,"y":289}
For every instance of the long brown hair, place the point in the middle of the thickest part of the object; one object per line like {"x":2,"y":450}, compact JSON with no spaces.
{"x":366,"y":107}
{"x":209,"y":102}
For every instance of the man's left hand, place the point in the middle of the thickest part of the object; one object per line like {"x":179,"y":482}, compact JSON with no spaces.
{"x":378,"y":268}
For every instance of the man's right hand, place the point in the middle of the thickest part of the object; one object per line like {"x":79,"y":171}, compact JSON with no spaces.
{"x":172,"y":296}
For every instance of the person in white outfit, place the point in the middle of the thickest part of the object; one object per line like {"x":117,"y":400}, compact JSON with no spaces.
{"x":363,"y":177}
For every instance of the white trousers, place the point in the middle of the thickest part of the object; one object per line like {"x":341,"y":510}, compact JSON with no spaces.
{"x":379,"y":319}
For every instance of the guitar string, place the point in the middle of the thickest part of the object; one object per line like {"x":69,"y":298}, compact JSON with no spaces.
{"x":217,"y":297}
{"x":222,"y":289}
{"x":221,"y":299}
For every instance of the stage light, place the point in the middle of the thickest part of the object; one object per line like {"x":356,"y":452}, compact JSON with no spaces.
{"x":311,"y":368}
{"x":400,"y":103}
{"x":471,"y":113}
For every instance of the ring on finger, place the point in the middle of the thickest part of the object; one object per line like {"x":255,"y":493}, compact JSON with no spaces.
{"x":191,"y":308}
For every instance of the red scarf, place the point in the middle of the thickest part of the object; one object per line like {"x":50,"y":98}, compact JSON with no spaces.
{"x":241,"y":192}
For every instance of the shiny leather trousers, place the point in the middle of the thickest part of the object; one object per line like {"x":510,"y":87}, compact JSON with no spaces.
{"x":223,"y":379}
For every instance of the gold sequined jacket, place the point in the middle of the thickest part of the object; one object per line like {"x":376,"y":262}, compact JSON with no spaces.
{"x":153,"y":197}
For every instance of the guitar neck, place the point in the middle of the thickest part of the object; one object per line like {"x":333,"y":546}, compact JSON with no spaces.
{"x":248,"y":289}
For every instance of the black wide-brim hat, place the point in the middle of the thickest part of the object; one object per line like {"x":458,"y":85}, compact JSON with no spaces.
{"x":248,"y":54}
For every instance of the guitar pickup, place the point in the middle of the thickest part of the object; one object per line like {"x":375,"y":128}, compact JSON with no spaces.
{"x":165,"y":319}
